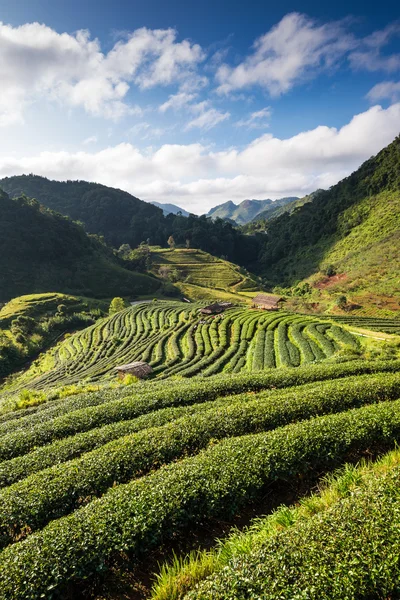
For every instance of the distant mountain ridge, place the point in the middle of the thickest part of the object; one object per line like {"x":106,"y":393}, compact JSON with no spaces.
{"x":171,"y":209}
{"x":247,"y":210}
{"x":276,"y":211}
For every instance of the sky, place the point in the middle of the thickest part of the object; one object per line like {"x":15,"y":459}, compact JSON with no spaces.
{"x":197,"y":103}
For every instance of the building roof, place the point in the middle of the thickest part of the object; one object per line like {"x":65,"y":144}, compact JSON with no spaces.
{"x":216,"y":307}
{"x":267,"y":299}
{"x":140,"y":367}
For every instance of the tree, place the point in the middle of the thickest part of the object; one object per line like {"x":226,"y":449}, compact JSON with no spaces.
{"x":171,"y":242}
{"x":341,"y":302}
{"x":116,"y":305}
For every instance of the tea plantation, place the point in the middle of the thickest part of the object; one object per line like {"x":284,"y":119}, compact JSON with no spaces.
{"x":99,"y":487}
{"x":99,"y":481}
{"x":177,"y":340}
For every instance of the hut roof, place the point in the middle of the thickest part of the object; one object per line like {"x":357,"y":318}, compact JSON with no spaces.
{"x":139,"y":368}
{"x":216,"y":307}
{"x":267,"y":300}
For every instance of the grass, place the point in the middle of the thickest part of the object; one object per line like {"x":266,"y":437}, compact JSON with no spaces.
{"x":176,"y":578}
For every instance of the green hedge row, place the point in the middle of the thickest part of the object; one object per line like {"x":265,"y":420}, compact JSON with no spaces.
{"x":55,"y":491}
{"x":135,"y":517}
{"x":348,"y":551}
{"x":38,"y":432}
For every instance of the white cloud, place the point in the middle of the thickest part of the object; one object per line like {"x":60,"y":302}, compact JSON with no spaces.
{"x":386,"y":89}
{"x":208,"y":117}
{"x":298,"y":48}
{"x":177,"y":101}
{"x":256,"y":120}
{"x":369,"y":55}
{"x":145,"y":131}
{"x":292,"y":49}
{"x":90,"y":140}
{"x":37,"y":62}
{"x":197,"y":178}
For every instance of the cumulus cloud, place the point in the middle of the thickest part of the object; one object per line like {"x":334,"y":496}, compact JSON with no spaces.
{"x":257,"y":120}
{"x":38,"y":62}
{"x":386,"y":89}
{"x":196,"y":177}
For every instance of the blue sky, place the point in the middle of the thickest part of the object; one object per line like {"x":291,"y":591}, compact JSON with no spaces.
{"x":197,"y":103}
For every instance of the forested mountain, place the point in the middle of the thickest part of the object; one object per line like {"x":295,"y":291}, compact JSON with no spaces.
{"x":171,"y":209}
{"x":274,"y":212}
{"x":42,"y":251}
{"x":247,"y":210}
{"x":355,"y":226}
{"x":123,"y":219}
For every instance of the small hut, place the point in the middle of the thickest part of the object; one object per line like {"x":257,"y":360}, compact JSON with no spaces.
{"x":216,"y":308}
{"x":139,"y":369}
{"x":268,"y":302}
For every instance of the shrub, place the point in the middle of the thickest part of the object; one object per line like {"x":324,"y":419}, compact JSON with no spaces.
{"x":136,"y":516}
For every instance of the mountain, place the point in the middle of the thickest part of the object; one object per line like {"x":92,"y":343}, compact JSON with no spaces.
{"x":276,"y":211}
{"x":41,"y":251}
{"x":354,"y":226}
{"x":171,"y":209}
{"x":247,"y":210}
{"x":115,"y":214}
{"x":123,"y":219}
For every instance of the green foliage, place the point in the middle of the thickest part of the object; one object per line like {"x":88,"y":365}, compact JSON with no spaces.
{"x":304,"y":558}
{"x":30,"y":323}
{"x":354,"y":225}
{"x":117,"y":304}
{"x":40,"y":251}
{"x":136,"y":516}
{"x":56,"y":491}
{"x":123,"y":219}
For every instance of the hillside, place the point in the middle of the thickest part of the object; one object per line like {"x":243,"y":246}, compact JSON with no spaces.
{"x":30,"y":324}
{"x":171,"y":209}
{"x":123,"y":219}
{"x":275,"y":212}
{"x":98,"y":488}
{"x":41,"y":251}
{"x":197,"y":273}
{"x":354,"y":227}
{"x":174,"y":338}
{"x":247,"y":210}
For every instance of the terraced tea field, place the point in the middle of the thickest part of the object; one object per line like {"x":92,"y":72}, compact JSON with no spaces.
{"x":177,"y":340}
{"x":371,"y":323}
{"x":202,"y":269}
{"x":98,"y":482}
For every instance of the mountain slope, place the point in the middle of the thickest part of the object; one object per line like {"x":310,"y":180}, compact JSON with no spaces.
{"x":247,"y":210}
{"x":274,"y":212}
{"x":123,"y":219}
{"x":117,"y":215}
{"x":42,"y":251}
{"x":355,"y":226}
{"x":171,"y":209}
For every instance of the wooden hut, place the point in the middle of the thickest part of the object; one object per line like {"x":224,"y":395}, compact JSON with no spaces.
{"x":216,"y":308}
{"x":268,"y":302}
{"x":139,"y":369}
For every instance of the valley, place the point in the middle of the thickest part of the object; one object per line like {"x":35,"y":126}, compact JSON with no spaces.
{"x":193,"y":409}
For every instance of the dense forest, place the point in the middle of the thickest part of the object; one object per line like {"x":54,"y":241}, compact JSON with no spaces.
{"x":123,"y":219}
{"x":41,"y":250}
{"x":296,"y":245}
